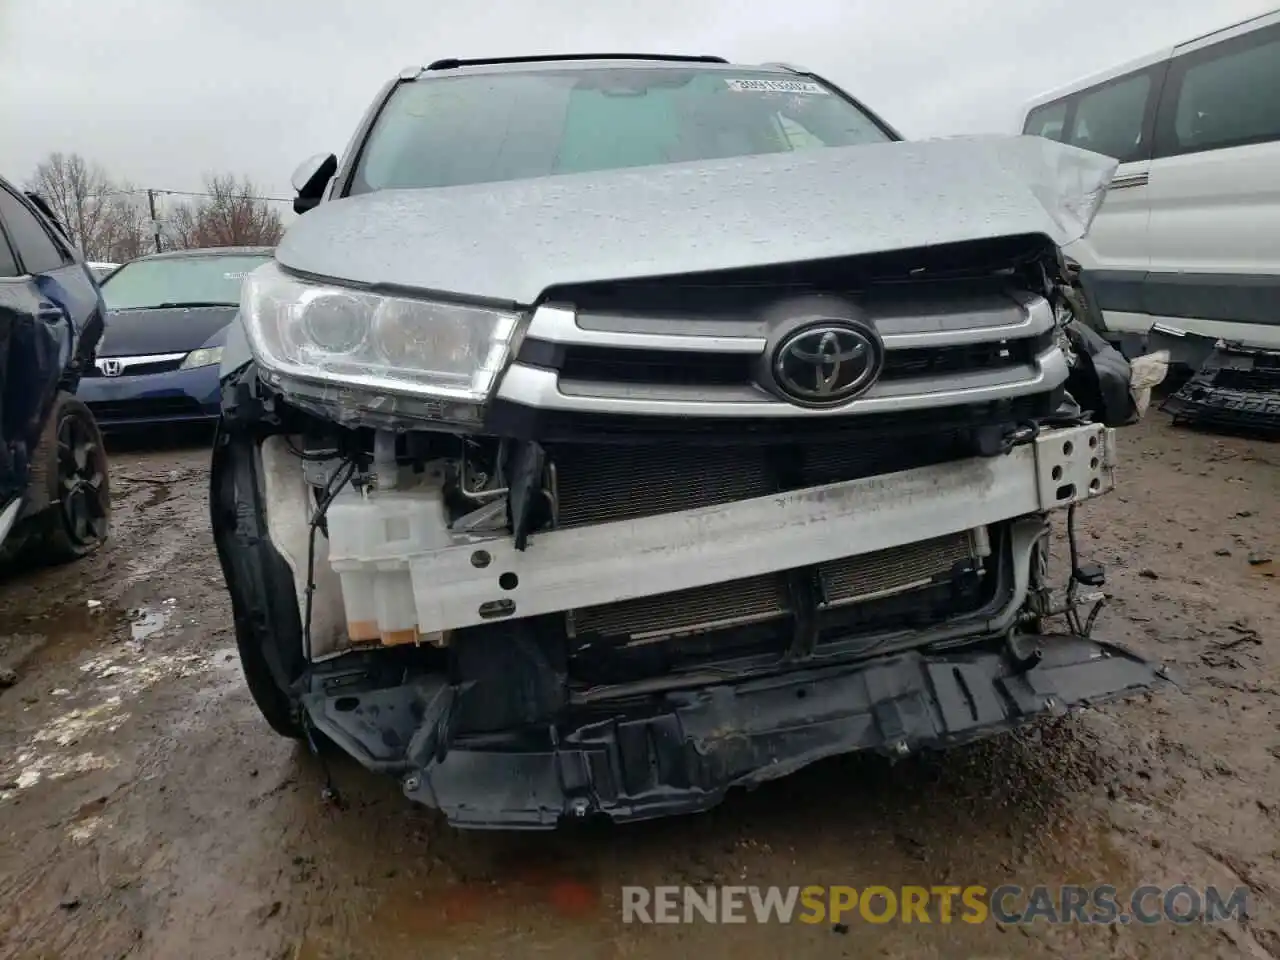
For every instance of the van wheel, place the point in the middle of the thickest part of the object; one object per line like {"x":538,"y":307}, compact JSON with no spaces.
{"x":69,"y":473}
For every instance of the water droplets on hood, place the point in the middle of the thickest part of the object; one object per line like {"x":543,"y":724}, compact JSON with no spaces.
{"x":513,"y":240}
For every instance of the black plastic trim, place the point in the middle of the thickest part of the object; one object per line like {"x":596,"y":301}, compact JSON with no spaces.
{"x":1237,"y":388}
{"x":520,"y":422}
{"x":452,"y":63}
{"x":1235,"y":298}
{"x":683,"y":751}
{"x":264,"y":600}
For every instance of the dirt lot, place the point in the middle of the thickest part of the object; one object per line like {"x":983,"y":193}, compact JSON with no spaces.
{"x":146,"y":811}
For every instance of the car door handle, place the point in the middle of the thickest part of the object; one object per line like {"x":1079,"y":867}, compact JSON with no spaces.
{"x":51,"y":313}
{"x":1130,"y":180}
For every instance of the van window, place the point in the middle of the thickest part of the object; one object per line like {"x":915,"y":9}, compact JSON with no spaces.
{"x":1229,"y":95}
{"x":1047,"y":121}
{"x":1109,"y":119}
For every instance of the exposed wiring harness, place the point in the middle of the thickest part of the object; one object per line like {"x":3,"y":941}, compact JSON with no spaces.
{"x":310,"y":456}
{"x":1091,"y":576}
{"x":339,"y":479}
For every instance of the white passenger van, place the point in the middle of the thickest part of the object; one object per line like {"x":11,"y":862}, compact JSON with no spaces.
{"x":1188,"y":239}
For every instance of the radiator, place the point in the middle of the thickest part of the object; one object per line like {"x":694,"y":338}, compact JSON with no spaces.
{"x":602,"y":484}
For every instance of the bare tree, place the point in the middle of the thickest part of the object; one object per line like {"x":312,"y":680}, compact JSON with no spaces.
{"x":80,"y":194}
{"x":181,"y":226}
{"x":110,"y":221}
{"x":125,"y":232}
{"x":232,"y":215}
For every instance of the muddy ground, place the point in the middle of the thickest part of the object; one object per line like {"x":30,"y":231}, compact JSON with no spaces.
{"x":147,"y":811}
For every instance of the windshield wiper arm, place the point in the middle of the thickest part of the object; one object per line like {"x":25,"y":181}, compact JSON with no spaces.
{"x":174,"y":304}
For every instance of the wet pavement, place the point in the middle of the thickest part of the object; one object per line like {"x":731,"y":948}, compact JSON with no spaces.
{"x":146,"y":810}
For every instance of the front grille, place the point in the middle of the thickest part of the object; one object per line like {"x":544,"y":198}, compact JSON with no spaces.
{"x":145,"y":409}
{"x":946,"y":344}
{"x":139,"y":369}
{"x":964,"y":358}
{"x":674,"y":368}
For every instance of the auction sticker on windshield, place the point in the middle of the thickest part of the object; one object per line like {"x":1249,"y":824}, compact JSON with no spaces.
{"x":778,"y":86}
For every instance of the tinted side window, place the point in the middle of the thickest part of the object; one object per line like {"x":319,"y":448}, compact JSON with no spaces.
{"x":1111,"y":119}
{"x":35,"y":247}
{"x":1226,"y":95}
{"x":1048,"y":121}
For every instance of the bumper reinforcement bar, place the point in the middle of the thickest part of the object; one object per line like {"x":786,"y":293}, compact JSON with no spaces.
{"x":488,"y":579}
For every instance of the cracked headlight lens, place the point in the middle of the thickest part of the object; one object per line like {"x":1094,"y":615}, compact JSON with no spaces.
{"x":373,"y":347}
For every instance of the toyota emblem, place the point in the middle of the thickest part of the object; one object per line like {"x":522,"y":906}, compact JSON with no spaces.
{"x":828,"y":363}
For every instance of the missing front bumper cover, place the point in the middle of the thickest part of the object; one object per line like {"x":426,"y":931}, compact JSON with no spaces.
{"x":681,"y":752}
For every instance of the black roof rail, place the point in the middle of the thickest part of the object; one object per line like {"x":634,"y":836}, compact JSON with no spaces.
{"x":789,"y":67}
{"x":453,"y":62}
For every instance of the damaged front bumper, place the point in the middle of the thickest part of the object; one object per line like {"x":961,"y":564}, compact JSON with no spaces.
{"x":496,"y":732}
{"x":682,"y":751}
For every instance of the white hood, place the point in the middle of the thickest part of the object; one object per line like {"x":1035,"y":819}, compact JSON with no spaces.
{"x":511,"y":241}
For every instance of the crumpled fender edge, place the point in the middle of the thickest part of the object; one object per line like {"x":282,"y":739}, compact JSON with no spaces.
{"x":258,"y":578}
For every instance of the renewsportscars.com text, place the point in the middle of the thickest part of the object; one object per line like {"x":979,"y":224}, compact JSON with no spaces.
{"x":973,"y":904}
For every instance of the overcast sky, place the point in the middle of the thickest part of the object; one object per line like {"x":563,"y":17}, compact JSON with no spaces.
{"x":161,"y":91}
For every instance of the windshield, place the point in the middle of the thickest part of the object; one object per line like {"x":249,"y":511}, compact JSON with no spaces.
{"x":180,"y":281}
{"x":439,"y":132}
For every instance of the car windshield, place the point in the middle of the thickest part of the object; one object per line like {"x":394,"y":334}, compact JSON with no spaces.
{"x":211,"y":280}
{"x":439,"y":132}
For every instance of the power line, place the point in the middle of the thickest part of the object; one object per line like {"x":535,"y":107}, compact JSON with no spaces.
{"x":197,"y":193}
{"x":184,"y":193}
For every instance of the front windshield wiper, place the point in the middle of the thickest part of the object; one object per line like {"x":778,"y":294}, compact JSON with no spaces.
{"x":175,"y":304}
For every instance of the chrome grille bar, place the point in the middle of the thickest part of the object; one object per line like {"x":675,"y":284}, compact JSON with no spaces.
{"x":1025,"y":316}
{"x":542,"y":388}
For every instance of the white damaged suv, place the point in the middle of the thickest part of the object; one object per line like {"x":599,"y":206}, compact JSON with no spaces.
{"x":616,"y":430}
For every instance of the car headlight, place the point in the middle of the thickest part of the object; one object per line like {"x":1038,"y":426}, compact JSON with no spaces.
{"x":371,"y":350}
{"x":204,"y":357}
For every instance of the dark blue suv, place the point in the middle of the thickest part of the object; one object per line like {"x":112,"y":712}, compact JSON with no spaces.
{"x":54,"y":496}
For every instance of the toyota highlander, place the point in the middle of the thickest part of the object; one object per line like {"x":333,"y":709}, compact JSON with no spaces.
{"x":613,"y":431}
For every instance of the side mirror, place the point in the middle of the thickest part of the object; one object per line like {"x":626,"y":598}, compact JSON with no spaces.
{"x":311,"y":178}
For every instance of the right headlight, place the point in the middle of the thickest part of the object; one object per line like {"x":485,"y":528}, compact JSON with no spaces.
{"x":360,"y":350}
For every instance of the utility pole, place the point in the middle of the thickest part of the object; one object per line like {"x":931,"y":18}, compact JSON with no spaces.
{"x":155,"y":224}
